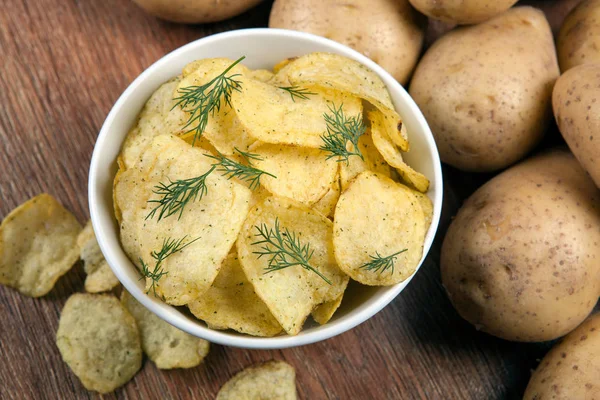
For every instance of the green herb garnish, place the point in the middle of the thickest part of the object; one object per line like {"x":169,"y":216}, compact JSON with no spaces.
{"x":341,"y":130}
{"x":232,"y":169}
{"x":202,"y":101}
{"x":284,"y":249}
{"x":297,"y":91}
{"x":381,"y":264}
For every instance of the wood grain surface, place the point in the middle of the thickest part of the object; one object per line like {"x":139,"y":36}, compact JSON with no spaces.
{"x":63,"y":63}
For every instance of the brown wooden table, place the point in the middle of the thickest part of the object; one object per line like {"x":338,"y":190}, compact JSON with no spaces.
{"x":63,"y":63}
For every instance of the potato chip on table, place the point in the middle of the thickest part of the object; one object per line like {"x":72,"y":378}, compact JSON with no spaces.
{"x":273,"y":380}
{"x":99,"y":341}
{"x":378,"y":230}
{"x":286,"y":252}
{"x":100,"y":277}
{"x":231,"y":303}
{"x":179,"y":245}
{"x":167,"y":346}
{"x":38,"y":244}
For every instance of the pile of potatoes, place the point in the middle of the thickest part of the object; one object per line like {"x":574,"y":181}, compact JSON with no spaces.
{"x":521,"y":259}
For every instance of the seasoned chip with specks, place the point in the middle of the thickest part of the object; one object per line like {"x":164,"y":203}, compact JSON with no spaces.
{"x":326,"y":204}
{"x":371,"y":161}
{"x":100,"y":277}
{"x":323,"y":312}
{"x":99,"y":341}
{"x":393,"y":156}
{"x":273,"y":380}
{"x":302,"y":173}
{"x":164,"y":344}
{"x":378,"y":219}
{"x":332,"y":71}
{"x":38,"y":244}
{"x":231,"y":303}
{"x":211,"y":222}
{"x":272,"y":115}
{"x":426,"y":206}
{"x":290,"y":293}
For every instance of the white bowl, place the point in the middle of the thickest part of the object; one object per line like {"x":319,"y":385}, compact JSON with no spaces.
{"x":263,"y":48}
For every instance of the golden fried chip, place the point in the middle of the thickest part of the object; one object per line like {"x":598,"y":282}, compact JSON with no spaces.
{"x":302,"y":173}
{"x":99,"y":341}
{"x":282,"y":64}
{"x":167,"y":346}
{"x":231,"y":303}
{"x":223,"y":129}
{"x":371,"y":161}
{"x":272,"y":115}
{"x":426,"y":206}
{"x":273,"y":380}
{"x":393,"y":156}
{"x":326,"y":204}
{"x":290,"y":293}
{"x":378,"y":230}
{"x":152,"y":122}
{"x":263,"y":75}
{"x":332,"y":71}
{"x":211,"y":222}
{"x":38,"y":244}
{"x":100,"y":277}
{"x":323,"y":313}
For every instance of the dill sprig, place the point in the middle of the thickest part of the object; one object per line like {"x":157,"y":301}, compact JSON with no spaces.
{"x":284,"y":249}
{"x":177,"y":194}
{"x":169,"y":247}
{"x":381,"y":264}
{"x":342,"y":129}
{"x":297,"y":91}
{"x":203,"y":101}
{"x":232,"y":169}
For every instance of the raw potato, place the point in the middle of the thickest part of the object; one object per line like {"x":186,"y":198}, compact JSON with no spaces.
{"x":571,"y":369}
{"x":578,"y":41}
{"x":577,"y":114}
{"x":302,"y":173}
{"x":485,"y":91}
{"x":99,"y":341}
{"x":376,"y":215}
{"x":100,"y":277}
{"x":167,"y":346}
{"x":291,"y":293}
{"x":389,"y":32}
{"x":273,"y":380}
{"x":521,"y":259}
{"x":38,"y":244}
{"x":214,"y":221}
{"x":231,"y":303}
{"x":196,"y":11}
{"x":462,"y":11}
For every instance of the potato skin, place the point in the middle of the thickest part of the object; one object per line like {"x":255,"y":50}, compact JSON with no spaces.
{"x":571,"y":369}
{"x":462,"y":11}
{"x":521,"y":260}
{"x":578,"y":41}
{"x":390,"y":32}
{"x":485,"y":91}
{"x":576,"y":104}
{"x":196,"y":11}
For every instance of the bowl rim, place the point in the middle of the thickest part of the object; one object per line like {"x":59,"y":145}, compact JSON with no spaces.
{"x":164,"y":311}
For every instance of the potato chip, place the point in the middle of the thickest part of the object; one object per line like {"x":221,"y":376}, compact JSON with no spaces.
{"x":302,"y":173}
{"x":100,"y":277}
{"x":263,"y":75}
{"x":167,"y":346}
{"x":378,"y":230}
{"x":273,"y":380}
{"x":372,"y":161}
{"x":332,"y":71}
{"x":99,"y":341}
{"x":223,"y":129}
{"x":426,"y":206}
{"x":272,"y":115}
{"x":393,"y":156}
{"x":38,"y":244}
{"x":212,"y":222}
{"x":151,"y":122}
{"x":231,"y":303}
{"x":282,"y":64}
{"x":323,"y":312}
{"x":290,"y":293}
{"x":326,"y":204}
